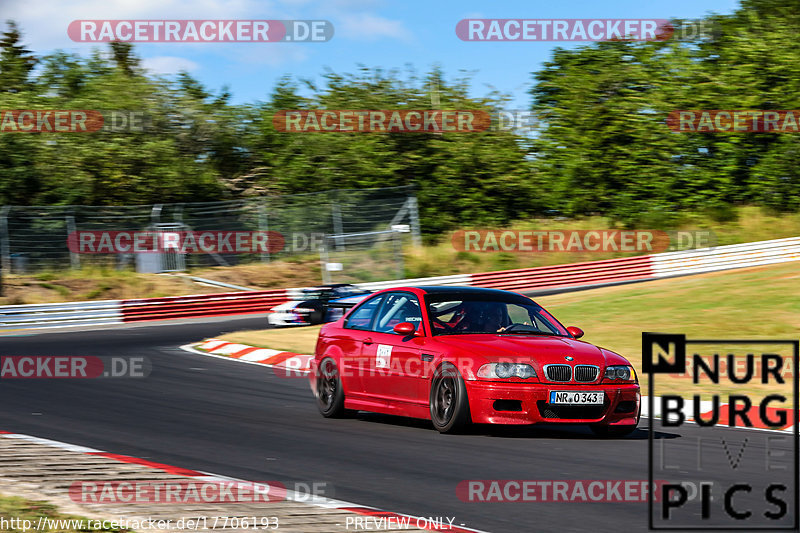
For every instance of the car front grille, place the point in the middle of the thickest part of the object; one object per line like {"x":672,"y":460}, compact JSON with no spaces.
{"x":558,"y":372}
{"x":586,"y":373}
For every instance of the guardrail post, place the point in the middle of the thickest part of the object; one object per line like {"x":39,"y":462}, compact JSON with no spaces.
{"x":336,"y":214}
{"x":155,"y":213}
{"x":398,"y":254}
{"x":5,"y":245}
{"x":74,"y":258}
{"x":323,"y":259}
{"x":263,"y":226}
{"x":413,"y":215}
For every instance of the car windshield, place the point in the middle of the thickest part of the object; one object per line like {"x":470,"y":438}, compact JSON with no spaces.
{"x":316,"y":294}
{"x":467,"y":314}
{"x":351,"y":290}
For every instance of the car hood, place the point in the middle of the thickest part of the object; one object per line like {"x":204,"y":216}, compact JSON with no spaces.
{"x":539,"y":349}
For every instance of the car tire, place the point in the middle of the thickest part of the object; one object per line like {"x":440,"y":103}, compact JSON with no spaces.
{"x":448,"y":400}
{"x":317,"y":316}
{"x":330,"y":394}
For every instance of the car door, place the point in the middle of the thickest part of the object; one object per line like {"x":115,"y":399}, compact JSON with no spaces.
{"x":394,"y":360}
{"x":358,"y":331}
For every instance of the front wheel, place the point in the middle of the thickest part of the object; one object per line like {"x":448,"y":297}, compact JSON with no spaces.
{"x":448,"y":400}
{"x":330,"y":395}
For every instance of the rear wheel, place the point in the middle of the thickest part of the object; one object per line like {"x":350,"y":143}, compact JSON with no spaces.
{"x":448,"y":400}
{"x":317,"y":316}
{"x":330,"y":395}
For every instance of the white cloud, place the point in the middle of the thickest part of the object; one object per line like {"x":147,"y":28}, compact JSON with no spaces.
{"x":44,"y":22}
{"x":44,"y":25}
{"x":271,"y":55}
{"x":363,"y":26}
{"x":169,"y":64}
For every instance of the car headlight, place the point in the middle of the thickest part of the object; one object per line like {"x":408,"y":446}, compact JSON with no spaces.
{"x":620,"y":373}
{"x":506,"y":370}
{"x":303,"y":310}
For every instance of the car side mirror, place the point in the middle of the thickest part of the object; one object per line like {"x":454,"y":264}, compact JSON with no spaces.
{"x":405,"y":328}
{"x":572,"y":330}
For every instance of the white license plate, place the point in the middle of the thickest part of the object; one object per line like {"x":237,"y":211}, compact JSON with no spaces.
{"x":577,"y":397}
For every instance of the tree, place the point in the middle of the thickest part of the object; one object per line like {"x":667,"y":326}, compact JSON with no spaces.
{"x":16,"y":62}
{"x":124,"y":57}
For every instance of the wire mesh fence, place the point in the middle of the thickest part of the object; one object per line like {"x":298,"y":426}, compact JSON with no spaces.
{"x":313,"y":225}
{"x":365,"y":256}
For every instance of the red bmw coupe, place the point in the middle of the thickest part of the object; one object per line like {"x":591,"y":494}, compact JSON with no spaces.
{"x":457,"y":355}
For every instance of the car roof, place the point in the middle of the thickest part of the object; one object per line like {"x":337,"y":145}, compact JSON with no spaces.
{"x":332,"y":286}
{"x":460,"y":289}
{"x":437,"y":289}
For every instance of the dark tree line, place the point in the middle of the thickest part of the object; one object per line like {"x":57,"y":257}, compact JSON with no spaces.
{"x":603,"y":146}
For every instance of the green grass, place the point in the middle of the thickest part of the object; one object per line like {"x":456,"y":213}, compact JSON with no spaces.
{"x":98,"y":292}
{"x":300,"y":339}
{"x":747,"y":224}
{"x":60,"y":289}
{"x":12,"y":507}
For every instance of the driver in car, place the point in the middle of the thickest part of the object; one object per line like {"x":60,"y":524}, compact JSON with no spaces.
{"x":483,"y":317}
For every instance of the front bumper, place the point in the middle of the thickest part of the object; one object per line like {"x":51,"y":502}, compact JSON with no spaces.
{"x":493,"y":402}
{"x":284,"y":318}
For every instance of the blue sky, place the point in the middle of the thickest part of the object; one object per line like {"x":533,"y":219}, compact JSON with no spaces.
{"x":376,"y":33}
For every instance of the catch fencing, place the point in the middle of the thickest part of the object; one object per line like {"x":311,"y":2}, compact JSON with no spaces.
{"x":34,"y":238}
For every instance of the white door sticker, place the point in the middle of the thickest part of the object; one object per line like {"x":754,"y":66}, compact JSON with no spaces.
{"x":384,"y":356}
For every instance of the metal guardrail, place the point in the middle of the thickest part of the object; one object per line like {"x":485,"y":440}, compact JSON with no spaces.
{"x":538,"y":279}
{"x":587,"y":274}
{"x":200,"y":305}
{"x":63,"y":314}
{"x":726,"y":257}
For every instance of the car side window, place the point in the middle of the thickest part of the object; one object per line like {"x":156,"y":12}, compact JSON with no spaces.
{"x":361,"y":318}
{"x":397,"y":307}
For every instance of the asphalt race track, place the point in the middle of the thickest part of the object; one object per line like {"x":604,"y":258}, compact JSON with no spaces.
{"x":244,"y":421}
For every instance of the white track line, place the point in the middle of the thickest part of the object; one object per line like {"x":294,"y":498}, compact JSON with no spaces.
{"x":191,"y":349}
